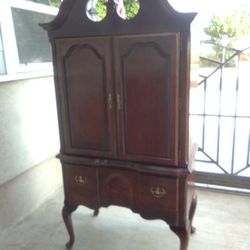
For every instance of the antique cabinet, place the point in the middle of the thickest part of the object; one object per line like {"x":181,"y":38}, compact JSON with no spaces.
{"x":122,"y":89}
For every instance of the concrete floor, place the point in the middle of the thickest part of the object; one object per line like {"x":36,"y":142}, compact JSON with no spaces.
{"x":222,"y":222}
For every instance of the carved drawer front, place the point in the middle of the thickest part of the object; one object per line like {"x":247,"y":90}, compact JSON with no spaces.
{"x":159,"y":196}
{"x":81,"y":185}
{"x":117,"y":187}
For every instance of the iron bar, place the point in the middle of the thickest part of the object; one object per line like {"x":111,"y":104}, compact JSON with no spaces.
{"x":204,"y":110}
{"x":219,"y":115}
{"x":211,"y":60}
{"x":235,"y":118}
{"x":219,"y":118}
{"x":237,"y":52}
{"x":248,"y":151}
{"x":211,"y":160}
{"x":241,"y":170}
{"x":222,"y":46}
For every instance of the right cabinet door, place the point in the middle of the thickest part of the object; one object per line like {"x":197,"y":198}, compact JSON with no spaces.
{"x":147,"y":70}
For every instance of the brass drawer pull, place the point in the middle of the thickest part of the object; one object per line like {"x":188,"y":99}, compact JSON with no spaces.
{"x":110,"y":102}
{"x":157,"y":192}
{"x":80,"y":180}
{"x":118,"y":101}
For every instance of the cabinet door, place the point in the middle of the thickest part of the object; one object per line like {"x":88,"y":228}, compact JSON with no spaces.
{"x":86,"y":96}
{"x":147,"y":71}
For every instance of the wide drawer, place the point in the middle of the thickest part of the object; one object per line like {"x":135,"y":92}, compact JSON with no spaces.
{"x":81,"y":186}
{"x":159,"y":197}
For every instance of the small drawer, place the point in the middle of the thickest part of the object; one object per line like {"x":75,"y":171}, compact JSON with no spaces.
{"x":81,"y":185}
{"x":158,"y":196}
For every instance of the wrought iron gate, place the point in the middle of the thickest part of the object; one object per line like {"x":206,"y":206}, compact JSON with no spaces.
{"x":220,"y":118}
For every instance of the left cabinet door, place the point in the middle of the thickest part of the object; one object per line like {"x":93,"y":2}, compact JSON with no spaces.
{"x":85,"y":92}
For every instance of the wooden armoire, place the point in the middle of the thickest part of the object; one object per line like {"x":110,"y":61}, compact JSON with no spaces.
{"x":122,"y":89}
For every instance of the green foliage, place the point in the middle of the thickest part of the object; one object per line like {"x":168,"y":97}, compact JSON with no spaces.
{"x":233,"y":27}
{"x":55,"y":3}
{"x":131,"y":8}
{"x":225,"y":30}
{"x":101,"y":8}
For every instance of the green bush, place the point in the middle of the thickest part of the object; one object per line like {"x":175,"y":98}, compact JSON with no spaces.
{"x":225,"y":31}
{"x":131,"y":8}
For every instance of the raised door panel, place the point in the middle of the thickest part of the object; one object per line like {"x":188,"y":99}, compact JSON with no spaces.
{"x":147,"y":95}
{"x":85,"y":87}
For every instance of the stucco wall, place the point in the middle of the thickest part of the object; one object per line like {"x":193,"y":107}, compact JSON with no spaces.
{"x":28,"y":125}
{"x":29,"y":140}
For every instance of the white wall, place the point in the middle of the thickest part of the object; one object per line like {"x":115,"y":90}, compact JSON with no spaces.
{"x":28,"y":125}
{"x":28,"y":137}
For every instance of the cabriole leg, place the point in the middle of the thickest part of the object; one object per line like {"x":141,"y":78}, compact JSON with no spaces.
{"x":183,"y":235}
{"x":96,"y":212}
{"x":192,"y":212}
{"x":66,"y":213}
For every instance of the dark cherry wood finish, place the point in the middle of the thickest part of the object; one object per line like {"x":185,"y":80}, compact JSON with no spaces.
{"x":122,"y":89}
{"x":140,"y":85}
